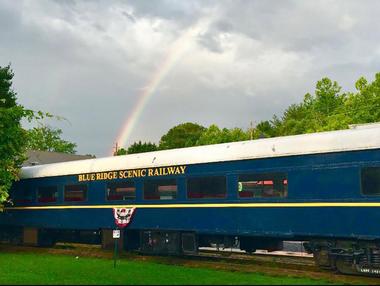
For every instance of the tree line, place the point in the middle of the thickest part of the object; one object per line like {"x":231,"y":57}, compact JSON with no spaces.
{"x":328,"y":108}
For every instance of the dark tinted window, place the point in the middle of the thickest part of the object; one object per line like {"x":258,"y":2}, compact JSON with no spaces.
{"x":47,"y":194}
{"x":121,"y":191}
{"x":160,"y":189}
{"x":206,"y":188}
{"x":75,"y":193}
{"x":263,"y":186}
{"x":23,"y":196}
{"x":371,"y":181}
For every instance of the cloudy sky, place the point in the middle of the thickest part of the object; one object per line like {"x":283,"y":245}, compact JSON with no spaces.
{"x":142,"y":67}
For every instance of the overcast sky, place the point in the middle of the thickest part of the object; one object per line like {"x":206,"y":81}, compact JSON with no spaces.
{"x":90,"y":61}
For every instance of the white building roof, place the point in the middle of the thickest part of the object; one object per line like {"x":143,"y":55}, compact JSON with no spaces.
{"x":359,"y":137}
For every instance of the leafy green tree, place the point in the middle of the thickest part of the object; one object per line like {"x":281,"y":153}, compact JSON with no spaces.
{"x":140,"y":147}
{"x":364,"y":105}
{"x":13,"y":138}
{"x":120,"y":152}
{"x":211,"y":135}
{"x":327,"y":96}
{"x":319,"y":112}
{"x":7,"y":95}
{"x":264,"y":129}
{"x":46,"y":138}
{"x":182,"y":135}
{"x":292,"y":121}
{"x":215,"y":135}
{"x":233,"y":135}
{"x":12,"y":135}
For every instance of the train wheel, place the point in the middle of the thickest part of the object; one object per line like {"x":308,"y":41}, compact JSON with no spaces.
{"x":322,"y":259}
{"x":250,"y":250}
{"x":345,"y":265}
{"x":16,"y":240}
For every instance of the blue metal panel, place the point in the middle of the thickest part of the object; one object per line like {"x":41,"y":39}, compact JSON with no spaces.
{"x":325,"y":183}
{"x":319,"y":177}
{"x":281,"y":222}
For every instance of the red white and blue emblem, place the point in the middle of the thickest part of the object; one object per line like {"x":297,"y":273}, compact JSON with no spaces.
{"x":123,"y":216}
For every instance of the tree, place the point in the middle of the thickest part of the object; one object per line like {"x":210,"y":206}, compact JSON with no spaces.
{"x":319,"y":112}
{"x":264,"y":129}
{"x":327,"y":96}
{"x":12,"y":136}
{"x":233,"y":135}
{"x":7,"y":95}
{"x":364,"y":105}
{"x":46,"y":138}
{"x":297,"y":118}
{"x":182,"y":135}
{"x":215,"y":135}
{"x":139,"y":147}
{"x":120,"y":152}
{"x":212,"y":135}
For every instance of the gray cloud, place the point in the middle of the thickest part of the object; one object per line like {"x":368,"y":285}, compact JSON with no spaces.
{"x":89,"y":61}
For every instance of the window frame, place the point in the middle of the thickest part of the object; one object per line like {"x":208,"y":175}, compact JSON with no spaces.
{"x":157,"y":180}
{"x":268,"y":177}
{"x":50,"y":186}
{"x":22,"y":200}
{"x":361,"y":181}
{"x":120,"y":182}
{"x":207,"y":176}
{"x":64,"y":192}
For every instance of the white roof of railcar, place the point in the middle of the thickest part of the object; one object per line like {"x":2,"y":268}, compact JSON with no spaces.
{"x":359,"y":137}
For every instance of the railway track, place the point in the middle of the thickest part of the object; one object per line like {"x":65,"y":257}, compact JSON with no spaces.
{"x":288,"y":260}
{"x":291,"y":265}
{"x":292,"y":257}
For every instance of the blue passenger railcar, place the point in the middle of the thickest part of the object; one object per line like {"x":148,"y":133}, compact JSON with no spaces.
{"x":323,"y":188}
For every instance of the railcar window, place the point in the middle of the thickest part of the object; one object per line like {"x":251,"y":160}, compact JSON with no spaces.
{"x":121,"y":191}
{"x":23,"y":196}
{"x":371,"y":181}
{"x":263,"y":186}
{"x":160,"y":189}
{"x":75,"y":193}
{"x":207,"y":187}
{"x":47,"y":194}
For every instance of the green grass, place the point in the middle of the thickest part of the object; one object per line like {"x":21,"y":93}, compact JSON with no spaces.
{"x":18,"y":268}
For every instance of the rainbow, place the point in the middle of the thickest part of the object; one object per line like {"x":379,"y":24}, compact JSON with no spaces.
{"x":176,"y":52}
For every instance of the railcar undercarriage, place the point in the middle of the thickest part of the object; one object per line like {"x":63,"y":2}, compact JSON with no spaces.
{"x":355,"y":257}
{"x":347,"y":256}
{"x":175,"y":242}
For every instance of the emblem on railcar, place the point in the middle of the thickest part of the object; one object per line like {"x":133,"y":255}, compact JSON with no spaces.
{"x":123,"y":216}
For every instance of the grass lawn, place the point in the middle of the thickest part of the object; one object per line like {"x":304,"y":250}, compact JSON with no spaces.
{"x":29,"y":268}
